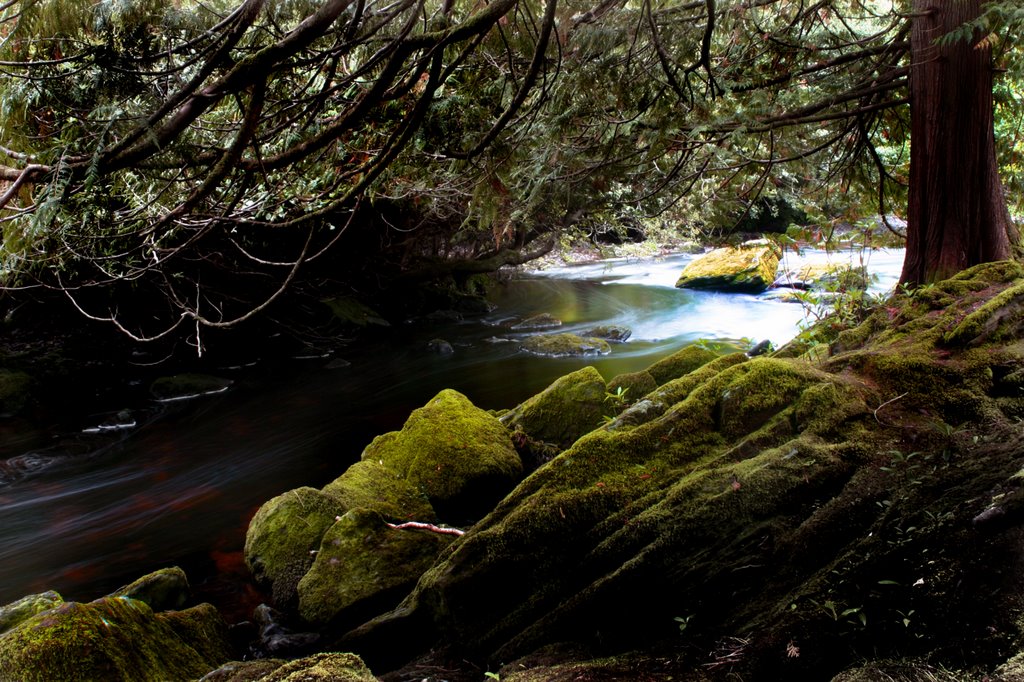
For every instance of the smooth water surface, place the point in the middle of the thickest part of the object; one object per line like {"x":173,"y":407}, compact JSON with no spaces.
{"x":90,"y":511}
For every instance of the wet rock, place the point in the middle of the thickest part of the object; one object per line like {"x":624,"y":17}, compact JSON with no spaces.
{"x":364,"y":566}
{"x":338,"y":363}
{"x":610,"y":332}
{"x":458,"y":455}
{"x":565,"y":345}
{"x":538,"y":322}
{"x":183,"y":386}
{"x":760,"y":348}
{"x":114,"y":638}
{"x":164,"y":589}
{"x":283,"y":537}
{"x":750,"y":267}
{"x":570,"y":407}
{"x":440,"y":346}
{"x":277,"y":640}
{"x":640,"y":412}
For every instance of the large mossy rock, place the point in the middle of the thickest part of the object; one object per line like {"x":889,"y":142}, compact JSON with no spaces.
{"x":164,"y":589}
{"x":114,"y":638}
{"x":283,"y":537}
{"x":800,"y":516}
{"x":747,"y":268}
{"x":570,"y":407}
{"x":458,"y":455}
{"x":362,"y":564}
{"x":26,"y":607}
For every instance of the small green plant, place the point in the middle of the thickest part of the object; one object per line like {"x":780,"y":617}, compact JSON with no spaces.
{"x":492,"y":676}
{"x":617,"y":400}
{"x":683,"y":621}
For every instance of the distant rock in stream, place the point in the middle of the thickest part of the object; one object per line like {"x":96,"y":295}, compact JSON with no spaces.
{"x":565,"y":345}
{"x":537,"y":323}
{"x":615,"y":333}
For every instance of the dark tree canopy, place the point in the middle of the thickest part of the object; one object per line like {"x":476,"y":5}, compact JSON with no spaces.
{"x":167,"y":151}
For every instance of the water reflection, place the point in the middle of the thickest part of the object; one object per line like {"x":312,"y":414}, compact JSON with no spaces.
{"x":87,"y":516}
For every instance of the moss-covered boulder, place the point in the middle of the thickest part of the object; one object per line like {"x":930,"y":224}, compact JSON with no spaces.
{"x":114,"y":638}
{"x":368,"y":484}
{"x":325,"y":667}
{"x":15,"y":389}
{"x":565,"y":345}
{"x":681,"y":363}
{"x":26,"y":607}
{"x":747,"y":268}
{"x":363,"y":567}
{"x":458,"y":455}
{"x":190,"y":385}
{"x":800,"y":517}
{"x":354,"y":312}
{"x":163,"y":589}
{"x":570,"y":407}
{"x":283,"y":537}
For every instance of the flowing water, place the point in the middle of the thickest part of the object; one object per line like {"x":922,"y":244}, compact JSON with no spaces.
{"x":177,"y":484}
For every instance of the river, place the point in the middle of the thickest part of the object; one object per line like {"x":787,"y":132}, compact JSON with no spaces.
{"x":178,"y":485}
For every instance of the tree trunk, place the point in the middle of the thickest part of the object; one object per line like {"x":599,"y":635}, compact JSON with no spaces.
{"x":957,"y":215}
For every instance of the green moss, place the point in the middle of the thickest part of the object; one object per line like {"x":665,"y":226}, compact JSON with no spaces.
{"x":370,"y":485}
{"x":283,"y":535}
{"x":570,"y":407}
{"x":907,"y":671}
{"x":26,"y":607}
{"x":15,"y":389}
{"x":761,"y":388}
{"x":680,"y":363}
{"x":244,"y":671}
{"x":362,"y":559}
{"x":164,"y":589}
{"x":201,"y":628}
{"x":458,"y":455}
{"x":565,"y":345}
{"x":749,"y":267}
{"x":109,"y":639}
{"x":999,"y":319}
{"x":635,"y":384}
{"x":612,"y":332}
{"x":677,"y":389}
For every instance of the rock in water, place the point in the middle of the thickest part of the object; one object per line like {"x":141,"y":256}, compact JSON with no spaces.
{"x":565,"y":345}
{"x":748,"y":268}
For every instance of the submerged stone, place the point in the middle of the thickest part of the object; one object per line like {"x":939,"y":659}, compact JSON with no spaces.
{"x":364,"y":564}
{"x":538,"y":322}
{"x":747,"y":268}
{"x":565,"y":345}
{"x":570,"y":407}
{"x":458,"y":455}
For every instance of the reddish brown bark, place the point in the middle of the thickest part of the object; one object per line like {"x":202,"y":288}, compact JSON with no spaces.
{"x":957,"y":215}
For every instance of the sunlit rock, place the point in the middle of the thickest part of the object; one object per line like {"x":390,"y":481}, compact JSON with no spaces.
{"x":747,"y":268}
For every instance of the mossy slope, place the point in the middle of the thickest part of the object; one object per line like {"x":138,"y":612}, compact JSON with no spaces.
{"x":806,"y":514}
